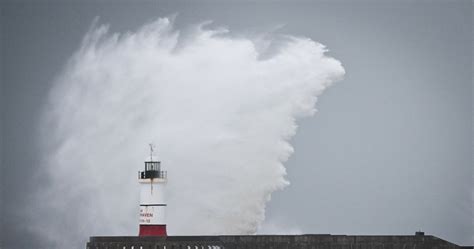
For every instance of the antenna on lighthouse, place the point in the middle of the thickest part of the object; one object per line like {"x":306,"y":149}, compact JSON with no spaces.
{"x":152,"y":147}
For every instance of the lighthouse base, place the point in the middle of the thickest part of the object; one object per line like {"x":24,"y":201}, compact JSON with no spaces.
{"x":152,"y":230}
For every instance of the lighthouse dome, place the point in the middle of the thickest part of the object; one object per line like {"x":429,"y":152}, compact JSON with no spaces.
{"x":151,"y":159}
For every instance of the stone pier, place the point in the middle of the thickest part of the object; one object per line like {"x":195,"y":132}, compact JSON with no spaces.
{"x":310,"y":241}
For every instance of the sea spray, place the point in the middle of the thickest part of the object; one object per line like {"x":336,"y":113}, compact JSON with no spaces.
{"x":220,"y":108}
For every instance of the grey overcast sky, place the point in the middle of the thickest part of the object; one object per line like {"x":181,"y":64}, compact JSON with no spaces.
{"x":389,"y":152}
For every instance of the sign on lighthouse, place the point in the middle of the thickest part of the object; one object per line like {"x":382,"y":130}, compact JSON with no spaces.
{"x":152,"y":198}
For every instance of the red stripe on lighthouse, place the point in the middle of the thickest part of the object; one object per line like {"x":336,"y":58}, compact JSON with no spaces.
{"x":152,"y":230}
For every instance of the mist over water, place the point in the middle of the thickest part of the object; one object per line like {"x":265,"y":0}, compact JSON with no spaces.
{"x":220,"y":108}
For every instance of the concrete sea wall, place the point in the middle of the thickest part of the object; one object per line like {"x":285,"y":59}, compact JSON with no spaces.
{"x":324,"y":241}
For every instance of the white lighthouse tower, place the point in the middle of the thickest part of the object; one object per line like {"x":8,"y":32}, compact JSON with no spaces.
{"x":152,"y":198}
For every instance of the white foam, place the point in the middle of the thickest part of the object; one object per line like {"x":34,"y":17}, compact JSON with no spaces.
{"x":220,"y":114}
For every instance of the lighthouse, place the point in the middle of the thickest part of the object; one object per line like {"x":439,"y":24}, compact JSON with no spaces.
{"x":152,"y":198}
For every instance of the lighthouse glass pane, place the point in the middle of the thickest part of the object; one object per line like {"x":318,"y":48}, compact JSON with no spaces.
{"x":152,"y":166}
